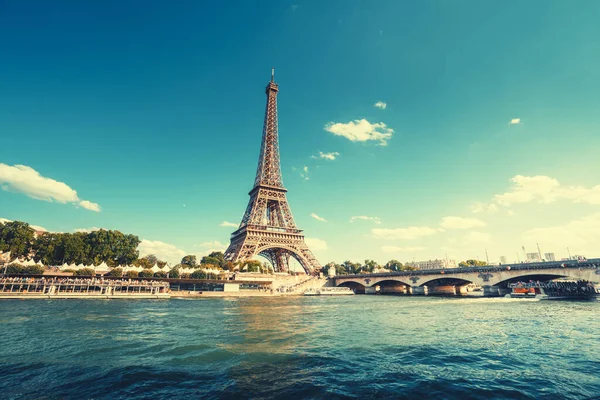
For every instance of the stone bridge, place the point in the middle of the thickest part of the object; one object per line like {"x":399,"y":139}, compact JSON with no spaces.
{"x":493,"y":280}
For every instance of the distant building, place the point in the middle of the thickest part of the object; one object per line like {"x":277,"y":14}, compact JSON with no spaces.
{"x":549,"y":257}
{"x":503,"y":260}
{"x":533,"y":257}
{"x":433,"y":264}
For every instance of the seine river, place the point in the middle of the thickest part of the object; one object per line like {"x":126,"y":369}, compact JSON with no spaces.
{"x":301,"y":347}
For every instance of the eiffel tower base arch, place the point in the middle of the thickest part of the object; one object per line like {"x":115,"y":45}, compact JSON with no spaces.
{"x":277,"y":248}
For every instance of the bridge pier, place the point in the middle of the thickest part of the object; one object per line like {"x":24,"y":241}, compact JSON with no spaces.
{"x":491,"y":291}
{"x":418,"y":290}
{"x":371,"y":290}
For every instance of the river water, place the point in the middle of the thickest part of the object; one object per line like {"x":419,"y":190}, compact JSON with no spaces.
{"x":300,"y":347}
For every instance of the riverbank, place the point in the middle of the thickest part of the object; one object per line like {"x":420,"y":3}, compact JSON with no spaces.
{"x":242,"y":293}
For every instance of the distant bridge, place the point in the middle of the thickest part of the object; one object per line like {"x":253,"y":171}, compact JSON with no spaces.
{"x":493,"y":279}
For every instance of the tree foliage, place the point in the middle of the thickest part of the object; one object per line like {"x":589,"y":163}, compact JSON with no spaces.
{"x":112,"y":247}
{"x":85,"y":272}
{"x":146,"y":273}
{"x":16,"y":237}
{"x":216,"y":258}
{"x":190,"y":261}
{"x":472,"y":263}
{"x":116,"y":272}
{"x":14,"y":268}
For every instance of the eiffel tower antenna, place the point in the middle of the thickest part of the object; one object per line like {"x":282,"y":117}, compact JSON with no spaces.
{"x":268,"y":228}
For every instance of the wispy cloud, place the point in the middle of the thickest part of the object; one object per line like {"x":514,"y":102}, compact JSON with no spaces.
{"x":515,"y":121}
{"x":483,"y":208}
{"x":26,"y":180}
{"x":412,"y":232}
{"x":326,"y":156}
{"x":316,"y":244}
{"x":315,"y":216}
{"x":304,"y":173}
{"x":380,"y":104}
{"x":87,"y":230}
{"x":540,"y":189}
{"x":229,"y":224}
{"x":376,"y":220}
{"x":460,"y":223}
{"x":361,"y":131}
{"x":163,"y":251}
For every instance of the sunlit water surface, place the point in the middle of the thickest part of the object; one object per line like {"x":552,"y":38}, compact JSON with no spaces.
{"x":301,"y":347}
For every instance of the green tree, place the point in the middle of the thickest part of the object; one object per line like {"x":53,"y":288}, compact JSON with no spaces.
{"x":198,"y":274}
{"x":131,"y":274}
{"x":16,"y":237}
{"x":175,"y":272}
{"x":146,"y":273}
{"x":215,"y":258}
{"x":85,"y":272}
{"x":351,"y":267}
{"x":394,"y":265}
{"x":190,"y":261}
{"x":369,"y":266}
{"x":118,"y":272}
{"x":15,"y":269}
{"x":252,"y":266}
{"x":160,"y":274}
{"x":472,"y":263}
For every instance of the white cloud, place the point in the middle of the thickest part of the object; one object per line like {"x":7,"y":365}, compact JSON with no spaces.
{"x":227,"y":223}
{"x":539,"y":189}
{"x":88,"y":230}
{"x":461,"y":223}
{"x":88,"y":205}
{"x":361,"y":131}
{"x":376,"y":220}
{"x":582,"y":235}
{"x":26,"y":180}
{"x":476,"y":238}
{"x":315,"y":216}
{"x":315,"y":244}
{"x":326,"y":156}
{"x":214,"y":244}
{"x":380,"y":104}
{"x":406,"y":249}
{"x":163,"y":251}
{"x":484,"y":208}
{"x":304,"y":173}
{"x":412,"y":232}
{"x":545,"y":190}
{"x":515,"y":121}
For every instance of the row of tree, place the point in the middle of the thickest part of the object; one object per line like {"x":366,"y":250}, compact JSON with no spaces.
{"x":112,"y":247}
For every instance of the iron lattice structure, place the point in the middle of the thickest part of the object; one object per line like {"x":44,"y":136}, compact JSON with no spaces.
{"x":268,"y":228}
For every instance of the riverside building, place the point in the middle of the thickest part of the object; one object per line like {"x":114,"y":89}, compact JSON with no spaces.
{"x":433,"y":264}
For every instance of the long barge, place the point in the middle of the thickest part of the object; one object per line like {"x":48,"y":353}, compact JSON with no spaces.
{"x":75,"y":288}
{"x":554,"y":290}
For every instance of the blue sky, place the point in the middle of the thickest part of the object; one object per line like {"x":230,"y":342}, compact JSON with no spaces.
{"x":152,"y":112}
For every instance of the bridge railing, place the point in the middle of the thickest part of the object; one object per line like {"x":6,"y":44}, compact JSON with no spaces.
{"x":591,"y":263}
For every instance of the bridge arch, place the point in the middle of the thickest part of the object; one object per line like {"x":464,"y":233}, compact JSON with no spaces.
{"x":358,"y":287}
{"x":531,"y":276}
{"x":391,"y":286}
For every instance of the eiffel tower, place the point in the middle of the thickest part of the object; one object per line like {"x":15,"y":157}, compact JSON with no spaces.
{"x":268,"y":228}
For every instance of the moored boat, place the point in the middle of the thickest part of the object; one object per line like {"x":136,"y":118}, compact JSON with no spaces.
{"x":554,"y":290}
{"x":329,"y":291}
{"x":81,"y":288}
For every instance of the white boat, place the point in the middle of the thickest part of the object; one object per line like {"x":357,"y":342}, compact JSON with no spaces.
{"x":329,"y":291}
{"x":77,"y":288}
